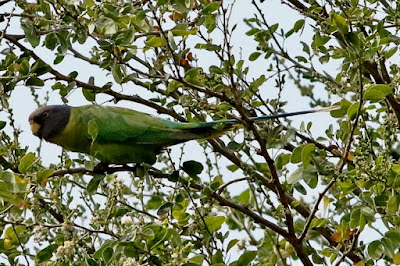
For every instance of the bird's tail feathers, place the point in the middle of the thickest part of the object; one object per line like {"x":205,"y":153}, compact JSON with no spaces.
{"x":265,"y":117}
{"x":213,"y":130}
{"x":323,"y":109}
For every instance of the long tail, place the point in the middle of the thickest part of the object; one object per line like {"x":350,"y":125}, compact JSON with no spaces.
{"x":324,"y":109}
{"x":258,"y":118}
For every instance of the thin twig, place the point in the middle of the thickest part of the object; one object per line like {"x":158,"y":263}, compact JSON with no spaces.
{"x":20,"y":244}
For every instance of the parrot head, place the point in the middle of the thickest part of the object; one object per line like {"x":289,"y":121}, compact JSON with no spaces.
{"x":48,"y":121}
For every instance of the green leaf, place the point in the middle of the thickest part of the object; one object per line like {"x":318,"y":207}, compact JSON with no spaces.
{"x":154,"y":41}
{"x":2,"y":124}
{"x":300,"y":188}
{"x":183,"y":30}
{"x":147,"y":233}
{"x":307,"y":154}
{"x":281,"y":160}
{"x":375,"y":249}
{"x":41,"y":176}
{"x":63,"y":38}
{"x":34,"y":81}
{"x":15,"y":236}
{"x":231,"y":244}
{"x":51,"y":41}
{"x":89,"y":95}
{"x":93,"y":129}
{"x":210,"y":8}
{"x":246,"y":258}
{"x":340,"y":23}
{"x":296,"y":155}
{"x":244,"y":197}
{"x":31,"y":35}
{"x":393,"y":205}
{"x":298,"y":25}
{"x":24,"y":67}
{"x":208,"y":46}
{"x":377,"y":92}
{"x":254,"y":56}
{"x":130,"y":251}
{"x":154,"y":202}
{"x":214,"y":223}
{"x":310,"y":176}
{"x":319,"y":222}
{"x":216,"y":183}
{"x":117,"y":73}
{"x":108,"y":253}
{"x":94,"y":183}
{"x":257,"y":83}
{"x":391,"y":52}
{"x":317,"y":259}
{"x":26,"y":162}
{"x":195,"y":76}
{"x":192,"y":168}
{"x":198,"y":259}
{"x":344,"y":106}
{"x":396,"y":168}
{"x":210,"y":22}
{"x":106,"y":26}
{"x":232,"y":167}
{"x":396,"y":258}
{"x":164,"y":209}
{"x":310,"y":173}
{"x":394,"y":236}
{"x":160,"y":235}
{"x":388,"y":246}
{"x":233,"y":145}
{"x":46,"y":253}
{"x":352,"y":111}
{"x":124,"y":37}
{"x":217,"y":258}
{"x":296,"y":176}
{"x":58,"y":59}
{"x":174,"y":176}
{"x":99,"y":253}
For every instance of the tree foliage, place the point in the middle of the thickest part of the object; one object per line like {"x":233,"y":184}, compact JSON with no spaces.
{"x":265,"y":194}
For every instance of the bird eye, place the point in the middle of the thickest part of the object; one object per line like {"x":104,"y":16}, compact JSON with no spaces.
{"x":45,"y":114}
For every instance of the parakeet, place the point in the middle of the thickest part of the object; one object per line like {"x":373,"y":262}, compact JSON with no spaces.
{"x":120,"y":135}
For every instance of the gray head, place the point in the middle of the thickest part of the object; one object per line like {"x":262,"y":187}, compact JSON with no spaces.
{"x":48,"y":121}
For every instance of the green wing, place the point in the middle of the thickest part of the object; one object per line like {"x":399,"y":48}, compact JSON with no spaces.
{"x":121,"y":125}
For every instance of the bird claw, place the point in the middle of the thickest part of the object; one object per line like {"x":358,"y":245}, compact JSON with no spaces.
{"x":101,"y":168}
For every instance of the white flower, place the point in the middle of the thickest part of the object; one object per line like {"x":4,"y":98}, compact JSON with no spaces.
{"x":130,"y":262}
{"x":126,"y":220}
{"x":66,"y":250}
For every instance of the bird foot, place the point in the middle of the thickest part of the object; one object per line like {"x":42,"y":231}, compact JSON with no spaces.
{"x":101,"y":168}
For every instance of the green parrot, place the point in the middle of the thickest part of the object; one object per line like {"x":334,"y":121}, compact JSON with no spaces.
{"x":120,"y":135}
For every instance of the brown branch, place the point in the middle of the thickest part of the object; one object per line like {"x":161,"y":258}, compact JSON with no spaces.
{"x":3,"y":2}
{"x":107,"y":232}
{"x":243,"y":209}
{"x":222,"y":187}
{"x":60,"y":225}
{"x":59,"y":217}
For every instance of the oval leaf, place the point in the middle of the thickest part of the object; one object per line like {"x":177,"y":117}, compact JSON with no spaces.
{"x":214,"y":223}
{"x":246,"y":258}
